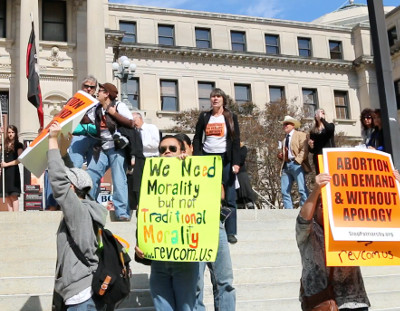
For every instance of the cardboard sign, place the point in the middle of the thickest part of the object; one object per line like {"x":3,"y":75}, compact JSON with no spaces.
{"x":360,"y":251}
{"x":363,"y":204}
{"x":179,"y":210}
{"x":34,"y":156}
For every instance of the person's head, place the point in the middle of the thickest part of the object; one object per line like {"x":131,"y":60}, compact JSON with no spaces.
{"x":171,"y":146}
{"x":289,"y":123}
{"x":137,"y":119}
{"x":187,"y":142}
{"x":319,"y":112}
{"x":107,"y":91}
{"x":366,"y":119}
{"x":218,"y":98}
{"x":12,"y":133}
{"x":377,"y":118}
{"x":89,"y":85}
{"x":80,"y":181}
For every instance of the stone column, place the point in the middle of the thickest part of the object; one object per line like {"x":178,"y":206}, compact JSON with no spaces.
{"x":96,"y":39}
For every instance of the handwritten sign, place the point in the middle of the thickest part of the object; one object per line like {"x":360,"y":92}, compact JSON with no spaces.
{"x":34,"y":156}
{"x":361,"y":250}
{"x":179,"y":210}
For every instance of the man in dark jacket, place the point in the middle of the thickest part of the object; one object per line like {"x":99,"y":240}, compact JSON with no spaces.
{"x":73,"y":280}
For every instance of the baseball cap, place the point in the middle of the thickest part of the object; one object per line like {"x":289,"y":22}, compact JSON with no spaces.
{"x":111,"y":89}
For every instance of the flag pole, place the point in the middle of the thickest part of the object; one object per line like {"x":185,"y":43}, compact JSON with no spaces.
{"x":2,"y":155}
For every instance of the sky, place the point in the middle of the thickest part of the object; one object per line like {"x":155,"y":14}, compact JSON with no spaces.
{"x":296,"y":10}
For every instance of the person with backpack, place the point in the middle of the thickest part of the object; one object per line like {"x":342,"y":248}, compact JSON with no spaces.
{"x":111,"y":117}
{"x":73,"y":279}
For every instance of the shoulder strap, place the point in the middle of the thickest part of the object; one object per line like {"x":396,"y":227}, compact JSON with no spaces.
{"x":78,"y":253}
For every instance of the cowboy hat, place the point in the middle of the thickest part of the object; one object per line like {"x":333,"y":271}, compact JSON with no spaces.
{"x":289,"y":119}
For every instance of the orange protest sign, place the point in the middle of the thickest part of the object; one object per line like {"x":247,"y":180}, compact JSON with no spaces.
{"x":361,"y":250}
{"x":34,"y":156}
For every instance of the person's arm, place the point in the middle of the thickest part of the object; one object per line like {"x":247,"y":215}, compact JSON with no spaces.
{"x":124,"y":121}
{"x":236,"y":146}
{"x":198,"y":135}
{"x":308,"y":209}
{"x":303,"y":147}
{"x":13,"y":162}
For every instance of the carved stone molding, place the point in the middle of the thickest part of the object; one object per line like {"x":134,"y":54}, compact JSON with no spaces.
{"x":55,"y":58}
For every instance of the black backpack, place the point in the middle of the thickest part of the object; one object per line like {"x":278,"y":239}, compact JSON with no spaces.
{"x":111,"y":280}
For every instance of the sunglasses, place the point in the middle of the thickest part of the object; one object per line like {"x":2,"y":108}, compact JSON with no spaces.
{"x":367,"y":117}
{"x":92,"y":87}
{"x":163,"y":149}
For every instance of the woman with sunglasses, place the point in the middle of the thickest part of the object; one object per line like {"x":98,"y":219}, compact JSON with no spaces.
{"x":217,"y":133}
{"x":367,"y":125}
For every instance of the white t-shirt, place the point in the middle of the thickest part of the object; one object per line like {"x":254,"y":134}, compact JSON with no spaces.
{"x":216,"y":134}
{"x":105,"y":134}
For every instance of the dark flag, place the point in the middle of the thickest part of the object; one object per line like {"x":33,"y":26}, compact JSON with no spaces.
{"x":34,"y":93}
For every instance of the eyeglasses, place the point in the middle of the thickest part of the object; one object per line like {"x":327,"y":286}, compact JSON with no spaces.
{"x":101,"y":90}
{"x":284,"y":124}
{"x":91,"y":87}
{"x":367,"y":117}
{"x":163,"y":149}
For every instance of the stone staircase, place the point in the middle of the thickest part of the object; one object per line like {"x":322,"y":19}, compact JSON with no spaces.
{"x":266,"y":265}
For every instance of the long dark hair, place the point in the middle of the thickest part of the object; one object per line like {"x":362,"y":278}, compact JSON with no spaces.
{"x":12,"y":143}
{"x":228,"y":115}
{"x":367,"y":112}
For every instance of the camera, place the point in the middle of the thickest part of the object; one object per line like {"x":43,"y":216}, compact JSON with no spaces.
{"x":120,"y":141}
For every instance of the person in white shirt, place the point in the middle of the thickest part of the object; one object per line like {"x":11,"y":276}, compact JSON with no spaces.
{"x":150,"y":136}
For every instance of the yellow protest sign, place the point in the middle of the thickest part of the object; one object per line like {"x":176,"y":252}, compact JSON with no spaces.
{"x":179,"y":210}
{"x":355,"y":205}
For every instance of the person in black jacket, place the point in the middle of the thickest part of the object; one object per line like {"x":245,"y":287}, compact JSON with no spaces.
{"x":217,"y":133}
{"x":321,"y":136}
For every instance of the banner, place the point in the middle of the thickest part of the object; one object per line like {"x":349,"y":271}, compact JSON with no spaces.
{"x":355,"y":206}
{"x":34,"y":157}
{"x":179,"y":210}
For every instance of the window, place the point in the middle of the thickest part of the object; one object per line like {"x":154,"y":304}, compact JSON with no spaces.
{"x":335,"y":48}
{"x":397,"y":92}
{"x":392,"y":36}
{"x":166,"y":35}
{"x":4,"y":101}
{"x":54,"y":20}
{"x":203,"y":38}
{"x":205,"y":89}
{"x":242,"y":94}
{"x":133,"y":92}
{"x":130,"y":31}
{"x":310,"y":102}
{"x":169,"y":95}
{"x":304,"y":47}
{"x":341,"y":105}
{"x":3,"y":14}
{"x":272,"y":44}
{"x":276,"y":94}
{"x":238,"y":39}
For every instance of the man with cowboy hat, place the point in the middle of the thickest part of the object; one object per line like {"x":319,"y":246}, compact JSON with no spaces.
{"x":294,"y":156}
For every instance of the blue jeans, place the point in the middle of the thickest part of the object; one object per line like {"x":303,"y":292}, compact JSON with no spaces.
{"x":114,"y":159}
{"x":173,"y":285}
{"x":293,"y":172}
{"x":228,"y":179}
{"x":81,"y":149}
{"x":88,"y":305}
{"x":221,"y":278}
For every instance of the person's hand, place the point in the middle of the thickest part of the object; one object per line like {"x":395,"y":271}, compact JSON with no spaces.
{"x":311,"y":143}
{"x":54,"y":130}
{"x":3,"y":164}
{"x":133,"y":162}
{"x":280,"y":156}
{"x":139,"y":252}
{"x":396,"y":175}
{"x":370,"y":147}
{"x":235,"y":169}
{"x":322,"y":179}
{"x":183,"y":156}
{"x":111,"y":110}
{"x":64,"y":143}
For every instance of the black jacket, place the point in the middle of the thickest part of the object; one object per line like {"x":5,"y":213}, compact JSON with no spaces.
{"x":232,"y":143}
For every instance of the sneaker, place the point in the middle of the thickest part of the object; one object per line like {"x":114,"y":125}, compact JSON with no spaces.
{"x":232,"y":239}
{"x":123,"y":218}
